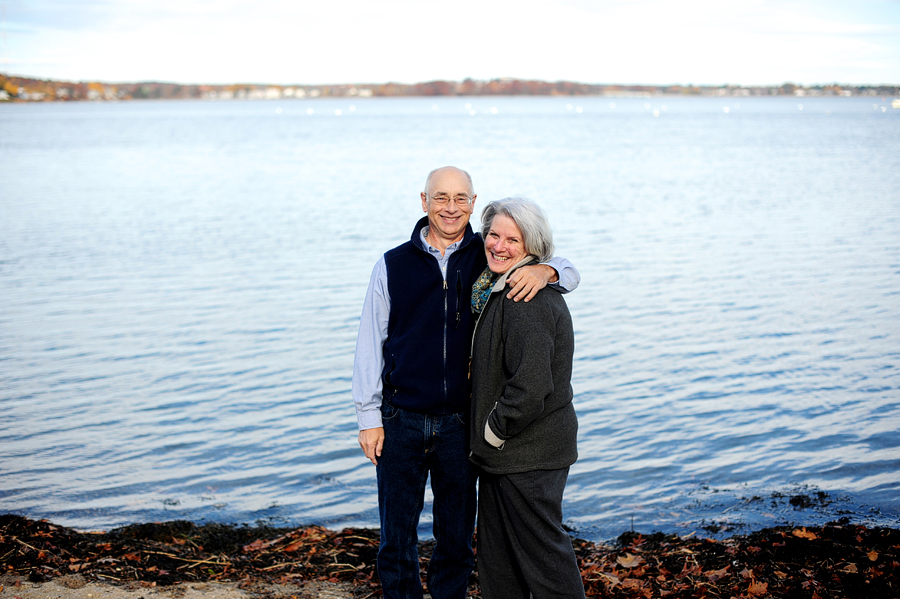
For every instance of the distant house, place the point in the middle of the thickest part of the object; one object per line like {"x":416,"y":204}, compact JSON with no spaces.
{"x":26,"y":95}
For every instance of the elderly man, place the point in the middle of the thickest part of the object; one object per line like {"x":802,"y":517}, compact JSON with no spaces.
{"x":411,"y":388}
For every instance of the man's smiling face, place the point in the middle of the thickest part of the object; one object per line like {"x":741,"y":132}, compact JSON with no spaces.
{"x":448,"y":222}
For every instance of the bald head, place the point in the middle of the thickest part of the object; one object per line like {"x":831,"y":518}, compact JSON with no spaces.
{"x":444,"y":170}
{"x":448,"y":200}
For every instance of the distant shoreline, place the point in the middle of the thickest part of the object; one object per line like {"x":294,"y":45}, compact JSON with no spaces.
{"x":26,"y":89}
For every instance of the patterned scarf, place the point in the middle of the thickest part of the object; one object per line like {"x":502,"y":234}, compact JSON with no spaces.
{"x":481,"y":290}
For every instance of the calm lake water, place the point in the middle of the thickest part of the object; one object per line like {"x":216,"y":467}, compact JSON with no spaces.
{"x":181,"y":283}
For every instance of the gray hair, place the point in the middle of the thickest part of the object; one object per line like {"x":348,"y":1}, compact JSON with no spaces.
{"x":531,"y":220}
{"x":431,"y":175}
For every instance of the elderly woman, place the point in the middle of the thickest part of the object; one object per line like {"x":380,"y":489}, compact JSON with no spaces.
{"x":523,"y":424}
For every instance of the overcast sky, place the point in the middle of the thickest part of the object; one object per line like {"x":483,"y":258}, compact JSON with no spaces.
{"x":710,"y":42}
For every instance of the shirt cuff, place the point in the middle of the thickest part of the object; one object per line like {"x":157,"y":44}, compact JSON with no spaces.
{"x":369,"y":419}
{"x":492,"y":439}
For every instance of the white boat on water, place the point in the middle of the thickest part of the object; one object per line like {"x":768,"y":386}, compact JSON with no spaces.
{"x":895,"y":103}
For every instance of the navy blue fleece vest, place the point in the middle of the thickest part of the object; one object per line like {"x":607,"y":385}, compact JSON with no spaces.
{"x":426,"y":355}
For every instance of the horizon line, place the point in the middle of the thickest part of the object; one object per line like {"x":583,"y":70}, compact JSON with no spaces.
{"x":451,"y":81}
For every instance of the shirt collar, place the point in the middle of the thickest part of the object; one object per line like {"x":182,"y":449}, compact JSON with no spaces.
{"x":423,"y":233}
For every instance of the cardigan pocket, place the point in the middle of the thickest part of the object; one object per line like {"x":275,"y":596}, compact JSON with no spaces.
{"x":489,"y":436}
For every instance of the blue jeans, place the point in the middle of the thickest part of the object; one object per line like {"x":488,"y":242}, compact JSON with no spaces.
{"x":414,"y":446}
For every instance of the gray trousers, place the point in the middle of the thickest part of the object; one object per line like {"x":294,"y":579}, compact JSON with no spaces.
{"x":523,"y":550}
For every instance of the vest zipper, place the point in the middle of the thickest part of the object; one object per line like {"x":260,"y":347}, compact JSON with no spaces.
{"x":446,"y":313}
{"x":458,"y":296}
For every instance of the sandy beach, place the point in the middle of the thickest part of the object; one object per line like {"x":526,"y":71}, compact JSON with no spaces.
{"x":77,"y":587}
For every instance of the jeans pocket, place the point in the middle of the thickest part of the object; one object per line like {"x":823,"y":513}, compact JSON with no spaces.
{"x":388,"y":411}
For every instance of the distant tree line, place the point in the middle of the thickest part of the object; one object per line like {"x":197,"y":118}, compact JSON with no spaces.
{"x":27,"y":89}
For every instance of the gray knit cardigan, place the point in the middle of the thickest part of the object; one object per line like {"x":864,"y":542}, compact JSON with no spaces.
{"x":521,"y":384}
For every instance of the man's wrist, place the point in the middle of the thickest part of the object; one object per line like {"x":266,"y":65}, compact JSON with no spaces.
{"x":554,"y":276}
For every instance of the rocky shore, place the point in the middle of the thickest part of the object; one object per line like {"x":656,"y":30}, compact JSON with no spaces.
{"x":39,"y":559}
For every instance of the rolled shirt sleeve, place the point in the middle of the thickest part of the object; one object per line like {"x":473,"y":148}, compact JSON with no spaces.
{"x":569,"y":277}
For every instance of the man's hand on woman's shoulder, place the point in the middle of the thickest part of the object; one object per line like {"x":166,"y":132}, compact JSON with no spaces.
{"x":526,"y":281}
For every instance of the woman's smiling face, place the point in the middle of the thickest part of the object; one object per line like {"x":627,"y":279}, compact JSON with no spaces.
{"x":504,"y":245}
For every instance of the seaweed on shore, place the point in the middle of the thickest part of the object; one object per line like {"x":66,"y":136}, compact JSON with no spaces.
{"x":837,"y":560}
{"x":176,"y":552}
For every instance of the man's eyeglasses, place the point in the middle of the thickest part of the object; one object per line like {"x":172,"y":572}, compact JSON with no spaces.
{"x":443,"y":200}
